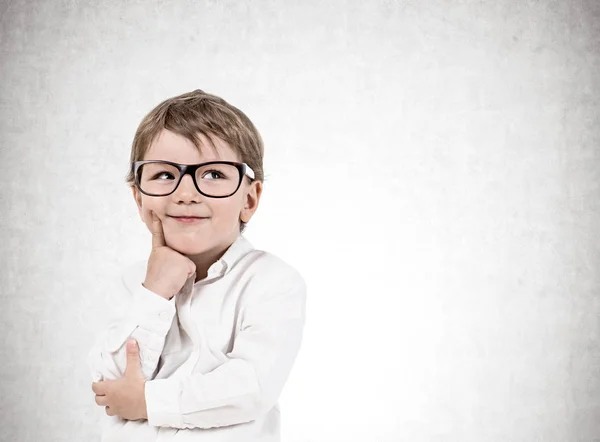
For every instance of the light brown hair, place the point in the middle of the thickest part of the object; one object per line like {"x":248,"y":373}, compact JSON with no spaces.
{"x":194,"y":113}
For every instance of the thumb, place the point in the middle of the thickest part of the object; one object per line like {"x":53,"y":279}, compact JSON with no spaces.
{"x":133,"y":357}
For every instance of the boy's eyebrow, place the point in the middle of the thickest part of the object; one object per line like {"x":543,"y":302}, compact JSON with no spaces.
{"x":190,"y":164}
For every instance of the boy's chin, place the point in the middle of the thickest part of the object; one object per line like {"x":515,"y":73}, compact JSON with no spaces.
{"x":188,"y":249}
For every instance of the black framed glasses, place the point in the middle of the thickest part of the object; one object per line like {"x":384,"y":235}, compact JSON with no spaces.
{"x":214,"y":179}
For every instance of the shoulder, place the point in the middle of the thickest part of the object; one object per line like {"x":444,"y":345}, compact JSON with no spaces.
{"x":271,"y":286}
{"x":268,"y":269}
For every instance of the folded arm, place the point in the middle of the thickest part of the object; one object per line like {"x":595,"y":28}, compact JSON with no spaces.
{"x":249,"y":383}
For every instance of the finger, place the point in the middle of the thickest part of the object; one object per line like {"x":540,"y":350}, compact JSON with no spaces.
{"x":158,"y":236}
{"x":98,"y":388}
{"x":133,"y":357}
{"x":101,"y":400}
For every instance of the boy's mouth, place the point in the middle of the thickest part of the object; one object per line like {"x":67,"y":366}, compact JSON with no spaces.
{"x":187,"y":216}
{"x":188,"y":219}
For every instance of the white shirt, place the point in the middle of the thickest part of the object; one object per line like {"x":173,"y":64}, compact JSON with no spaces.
{"x":216,"y":356}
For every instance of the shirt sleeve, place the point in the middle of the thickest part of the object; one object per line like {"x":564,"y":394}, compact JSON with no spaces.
{"x":249,"y":383}
{"x":136,"y":313}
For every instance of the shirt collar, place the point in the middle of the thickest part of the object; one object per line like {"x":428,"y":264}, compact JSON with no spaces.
{"x":236,"y":251}
{"x":135,"y":274}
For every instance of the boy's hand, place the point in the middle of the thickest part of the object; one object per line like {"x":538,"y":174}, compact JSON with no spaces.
{"x":125,"y":397}
{"x":168,"y":270}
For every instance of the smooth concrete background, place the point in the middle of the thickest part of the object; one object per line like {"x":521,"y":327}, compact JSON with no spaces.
{"x":432,"y":169}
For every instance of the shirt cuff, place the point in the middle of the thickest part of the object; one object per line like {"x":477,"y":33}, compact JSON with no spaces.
{"x":162,"y":402}
{"x":151,"y":311}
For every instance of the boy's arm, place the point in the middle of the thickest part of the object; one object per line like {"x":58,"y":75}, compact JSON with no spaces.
{"x":137,"y":313}
{"x":249,"y":383}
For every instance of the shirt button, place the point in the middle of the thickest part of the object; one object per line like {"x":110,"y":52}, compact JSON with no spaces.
{"x":164,"y":316}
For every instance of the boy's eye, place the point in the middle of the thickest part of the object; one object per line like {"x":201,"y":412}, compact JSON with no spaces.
{"x":167,"y":174}
{"x":212,"y":174}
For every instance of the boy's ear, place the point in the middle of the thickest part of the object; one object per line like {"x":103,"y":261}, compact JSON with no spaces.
{"x":251,"y":201}
{"x":137,"y":196}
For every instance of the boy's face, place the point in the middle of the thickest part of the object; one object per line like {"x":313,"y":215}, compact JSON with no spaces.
{"x":223,"y":215}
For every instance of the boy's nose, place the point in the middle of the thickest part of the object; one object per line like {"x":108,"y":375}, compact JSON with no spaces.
{"x":186,"y":189}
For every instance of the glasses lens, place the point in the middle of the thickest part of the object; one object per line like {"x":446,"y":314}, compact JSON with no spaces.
{"x":218,"y":179}
{"x":212,"y":179}
{"x":158,"y":178}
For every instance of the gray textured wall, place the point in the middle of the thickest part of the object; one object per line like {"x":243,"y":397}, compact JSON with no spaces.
{"x":433,"y":170}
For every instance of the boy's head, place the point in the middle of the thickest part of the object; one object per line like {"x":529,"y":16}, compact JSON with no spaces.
{"x":194,"y":128}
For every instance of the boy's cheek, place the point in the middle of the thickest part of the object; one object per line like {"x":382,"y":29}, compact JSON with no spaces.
{"x":147,"y":215}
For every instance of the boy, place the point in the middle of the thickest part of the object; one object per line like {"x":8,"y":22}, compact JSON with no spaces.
{"x":205,"y":332}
